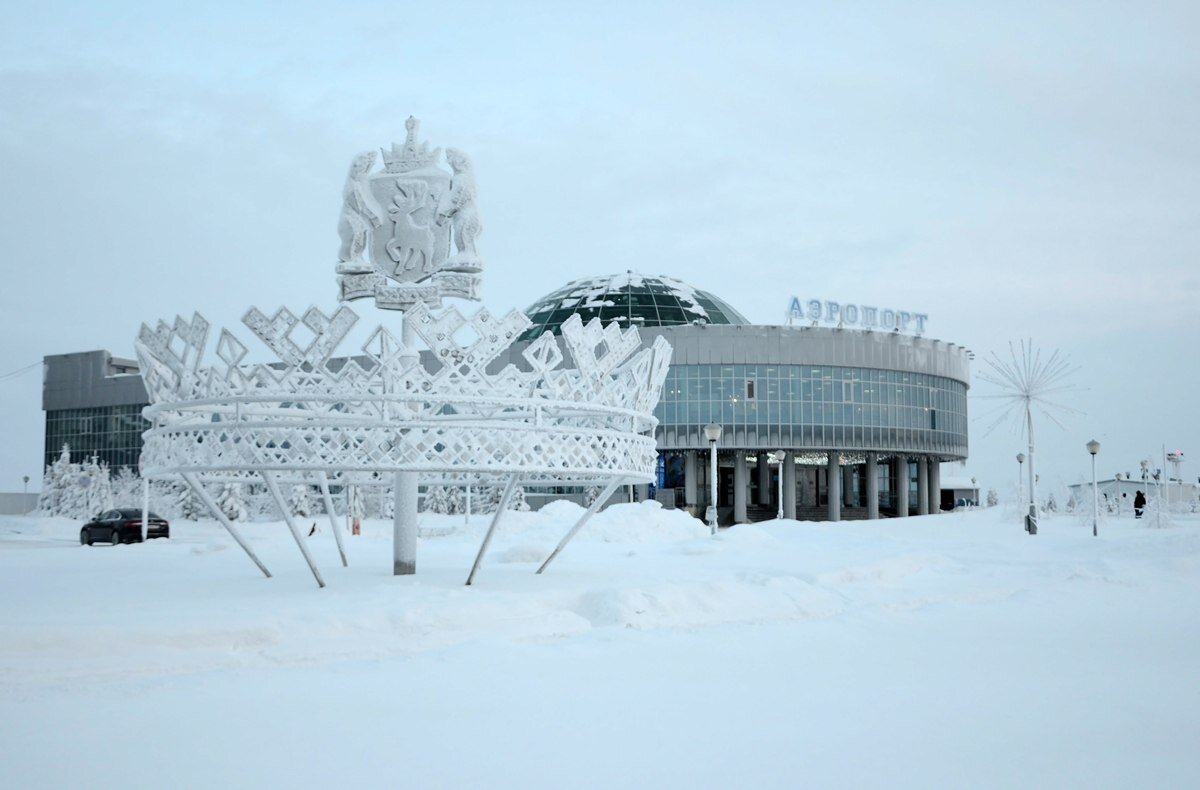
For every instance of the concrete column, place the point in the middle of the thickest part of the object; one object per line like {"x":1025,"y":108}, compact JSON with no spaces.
{"x":741,"y":482}
{"x":404,"y":524}
{"x":789,"y":487}
{"x":834,"y":480}
{"x":848,"y":486}
{"x":872,"y":473}
{"x":935,"y":486}
{"x":923,"y":486}
{"x":901,"y":476}
{"x":689,"y":479}
{"x":764,"y":479}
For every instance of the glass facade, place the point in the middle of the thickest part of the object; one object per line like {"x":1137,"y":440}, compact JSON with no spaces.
{"x":113,"y":433}
{"x":810,"y":406}
{"x":642,"y":300}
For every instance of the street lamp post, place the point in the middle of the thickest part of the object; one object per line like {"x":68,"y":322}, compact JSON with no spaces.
{"x":1020,"y":488}
{"x":1093,"y":447}
{"x":779,"y":456}
{"x":712,"y":432}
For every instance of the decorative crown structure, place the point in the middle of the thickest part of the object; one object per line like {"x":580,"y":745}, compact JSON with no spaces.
{"x":442,"y":415}
{"x":431,"y":416}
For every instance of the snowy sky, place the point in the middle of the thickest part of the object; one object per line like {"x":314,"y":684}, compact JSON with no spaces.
{"x":1020,"y":170}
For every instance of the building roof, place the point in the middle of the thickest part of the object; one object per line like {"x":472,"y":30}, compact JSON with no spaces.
{"x":637,"y":299}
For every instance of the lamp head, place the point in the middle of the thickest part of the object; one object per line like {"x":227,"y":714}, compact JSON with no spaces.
{"x":712,"y":432}
{"x":1020,"y":458}
{"x":1093,"y":446}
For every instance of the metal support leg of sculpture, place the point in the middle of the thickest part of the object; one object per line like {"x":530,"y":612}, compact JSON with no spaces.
{"x":500,"y":508}
{"x":591,"y":511}
{"x":145,"y":507}
{"x":273,"y":487}
{"x":337,"y":535}
{"x":191,"y":480}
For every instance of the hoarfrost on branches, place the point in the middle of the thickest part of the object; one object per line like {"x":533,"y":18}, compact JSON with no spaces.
{"x":187,"y":506}
{"x":76,"y":490}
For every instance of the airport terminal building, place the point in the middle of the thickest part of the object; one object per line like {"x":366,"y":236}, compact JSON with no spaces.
{"x":845,"y":420}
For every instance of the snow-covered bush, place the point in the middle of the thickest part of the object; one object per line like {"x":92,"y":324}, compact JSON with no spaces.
{"x":232,"y":502}
{"x":188,"y":505}
{"x":437,"y":500}
{"x":300,"y":503}
{"x":993,"y":498}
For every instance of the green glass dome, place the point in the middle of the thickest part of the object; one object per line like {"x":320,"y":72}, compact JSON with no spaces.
{"x":640,"y":299}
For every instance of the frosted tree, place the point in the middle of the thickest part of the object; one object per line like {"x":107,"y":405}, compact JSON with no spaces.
{"x":55,"y":482}
{"x":187,"y":505}
{"x":127,"y":488}
{"x":232,"y":502}
{"x":993,"y":498}
{"x":484,"y":499}
{"x":437,"y":500}
{"x":456,"y":501}
{"x":300,"y":503}
{"x":517,"y":500}
{"x":88,"y":491}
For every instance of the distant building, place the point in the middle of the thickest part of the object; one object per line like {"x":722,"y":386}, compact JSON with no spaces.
{"x":93,"y":402}
{"x":1116,"y":494}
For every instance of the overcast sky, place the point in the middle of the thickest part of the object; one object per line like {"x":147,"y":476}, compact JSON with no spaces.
{"x":1015,"y":170}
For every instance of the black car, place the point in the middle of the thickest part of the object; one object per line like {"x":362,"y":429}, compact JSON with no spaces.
{"x":123,"y":526}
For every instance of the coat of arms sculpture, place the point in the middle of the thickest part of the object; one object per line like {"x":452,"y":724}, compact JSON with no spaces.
{"x":409,"y":230}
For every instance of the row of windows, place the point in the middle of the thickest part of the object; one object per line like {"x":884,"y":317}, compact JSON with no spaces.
{"x":111,"y":433}
{"x":873,"y":375}
{"x":803,"y":383}
{"x":914,"y":440}
{"x":815,"y":406}
{"x":787,"y":413}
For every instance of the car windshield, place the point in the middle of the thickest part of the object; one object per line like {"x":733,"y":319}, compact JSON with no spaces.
{"x":133,"y":513}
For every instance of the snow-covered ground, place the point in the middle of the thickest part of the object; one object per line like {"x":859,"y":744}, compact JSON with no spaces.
{"x":946,"y":651}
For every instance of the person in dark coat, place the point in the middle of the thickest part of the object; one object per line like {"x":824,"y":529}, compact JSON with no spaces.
{"x":1139,"y":502}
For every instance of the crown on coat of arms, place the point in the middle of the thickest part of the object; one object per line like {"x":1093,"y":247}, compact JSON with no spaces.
{"x":412,"y":155}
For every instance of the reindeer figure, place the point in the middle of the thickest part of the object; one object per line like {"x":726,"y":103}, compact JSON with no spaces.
{"x":412,"y":244}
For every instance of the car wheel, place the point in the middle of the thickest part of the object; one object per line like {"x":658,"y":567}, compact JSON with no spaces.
{"x":116,"y":537}
{"x":85,"y":538}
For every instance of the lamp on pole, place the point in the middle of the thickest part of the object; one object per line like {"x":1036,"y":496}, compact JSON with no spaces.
{"x":1020,"y":489}
{"x":779,"y":456}
{"x":1093,"y":448}
{"x":712,"y":432}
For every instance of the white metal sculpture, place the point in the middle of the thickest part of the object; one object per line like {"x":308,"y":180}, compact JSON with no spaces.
{"x":422,"y":407}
